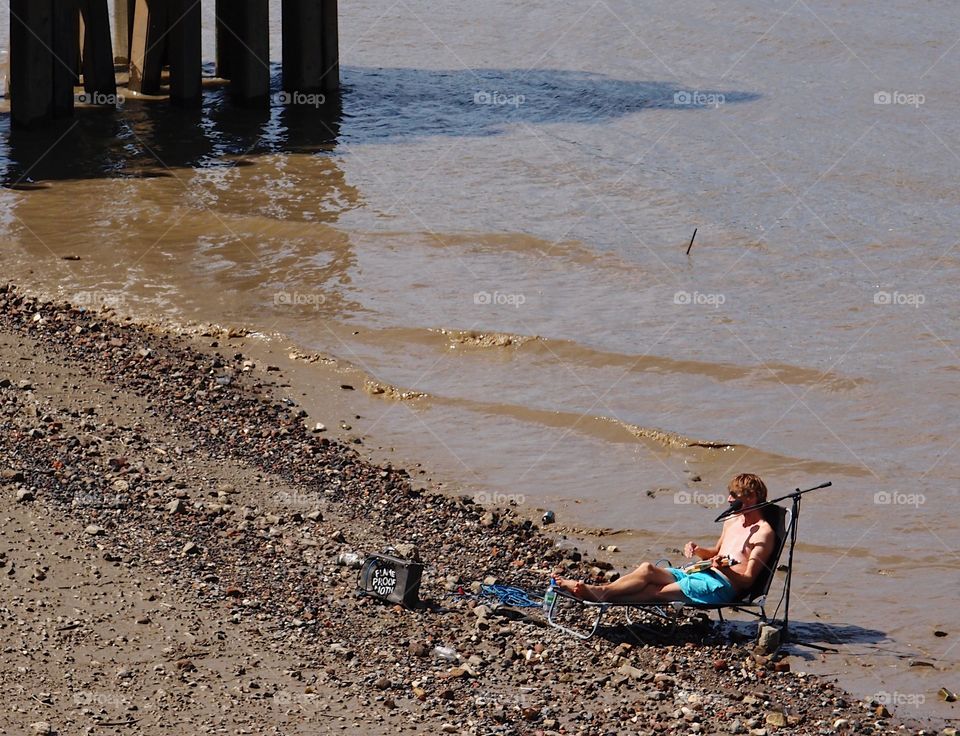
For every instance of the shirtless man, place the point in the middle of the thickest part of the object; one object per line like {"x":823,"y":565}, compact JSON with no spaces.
{"x":739,"y":556}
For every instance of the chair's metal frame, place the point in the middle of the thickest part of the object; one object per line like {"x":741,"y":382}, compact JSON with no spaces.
{"x":753,"y":603}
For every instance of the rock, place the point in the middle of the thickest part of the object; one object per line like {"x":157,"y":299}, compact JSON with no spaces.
{"x":769,"y":639}
{"x":143,"y":620}
{"x":25,"y":385}
{"x":776,"y":718}
{"x":24,"y":495}
{"x":781,"y":666}
{"x":190,"y":549}
{"x":94,"y":531}
{"x":42,"y":728}
{"x":530,"y":713}
{"x":383,"y":683}
{"x":548,"y":518}
{"x":841,"y":724}
{"x":946,"y":695}
{"x":632,"y":672}
{"x":233,"y":592}
{"x":418,"y":649}
{"x":446,"y":694}
{"x":737,"y":727}
{"x":175,"y":507}
{"x":881,"y":711}
{"x":314,"y":515}
{"x":408,"y":552}
{"x":448,"y":728}
{"x":488,"y":519}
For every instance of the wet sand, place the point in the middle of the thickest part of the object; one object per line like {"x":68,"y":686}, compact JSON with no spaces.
{"x":171,"y":525}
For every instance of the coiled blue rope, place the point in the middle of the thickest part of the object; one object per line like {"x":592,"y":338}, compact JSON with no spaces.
{"x":510,"y":595}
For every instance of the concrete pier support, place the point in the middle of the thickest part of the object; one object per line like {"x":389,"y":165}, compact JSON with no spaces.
{"x":146,"y":46}
{"x":122,"y":15}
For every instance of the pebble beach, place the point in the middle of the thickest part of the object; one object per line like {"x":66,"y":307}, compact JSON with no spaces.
{"x":177,"y":555}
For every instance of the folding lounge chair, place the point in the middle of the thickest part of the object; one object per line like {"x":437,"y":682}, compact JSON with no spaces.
{"x":752,"y":602}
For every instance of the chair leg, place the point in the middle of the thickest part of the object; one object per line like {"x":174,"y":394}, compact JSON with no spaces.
{"x":573,"y":632}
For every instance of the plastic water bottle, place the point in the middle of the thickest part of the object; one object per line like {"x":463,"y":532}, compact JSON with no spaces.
{"x":549,"y":597}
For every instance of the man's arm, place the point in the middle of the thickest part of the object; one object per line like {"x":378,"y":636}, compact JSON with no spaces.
{"x":704,"y":553}
{"x":744,"y":574}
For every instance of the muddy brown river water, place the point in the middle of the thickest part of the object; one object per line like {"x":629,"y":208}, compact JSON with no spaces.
{"x":495,"y":214}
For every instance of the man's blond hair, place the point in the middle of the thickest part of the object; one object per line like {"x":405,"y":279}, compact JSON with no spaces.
{"x":749,"y":483}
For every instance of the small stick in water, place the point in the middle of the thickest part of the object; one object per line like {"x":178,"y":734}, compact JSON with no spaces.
{"x":691,"y":240}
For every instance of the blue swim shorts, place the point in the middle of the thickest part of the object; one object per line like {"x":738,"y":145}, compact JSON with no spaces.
{"x":708,"y":586}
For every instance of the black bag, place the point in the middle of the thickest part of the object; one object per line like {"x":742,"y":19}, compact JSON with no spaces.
{"x":390,"y":578}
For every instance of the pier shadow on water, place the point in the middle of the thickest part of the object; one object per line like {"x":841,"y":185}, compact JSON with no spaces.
{"x":375,"y":106}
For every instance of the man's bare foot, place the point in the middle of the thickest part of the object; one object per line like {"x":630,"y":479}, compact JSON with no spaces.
{"x":579,"y":589}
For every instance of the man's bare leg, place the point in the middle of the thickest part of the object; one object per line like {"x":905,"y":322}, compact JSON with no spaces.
{"x":634,"y":586}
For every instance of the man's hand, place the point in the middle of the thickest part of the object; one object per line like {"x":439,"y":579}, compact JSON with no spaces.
{"x":690,"y":549}
{"x":724,"y":561}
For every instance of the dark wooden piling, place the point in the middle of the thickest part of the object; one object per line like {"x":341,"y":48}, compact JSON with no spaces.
{"x":246,"y":58}
{"x":310,"y":46}
{"x":31,"y":62}
{"x":226,"y":36}
{"x":99,"y":79}
{"x":186,"y":53}
{"x":65,"y":47}
{"x":331,"y":46}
